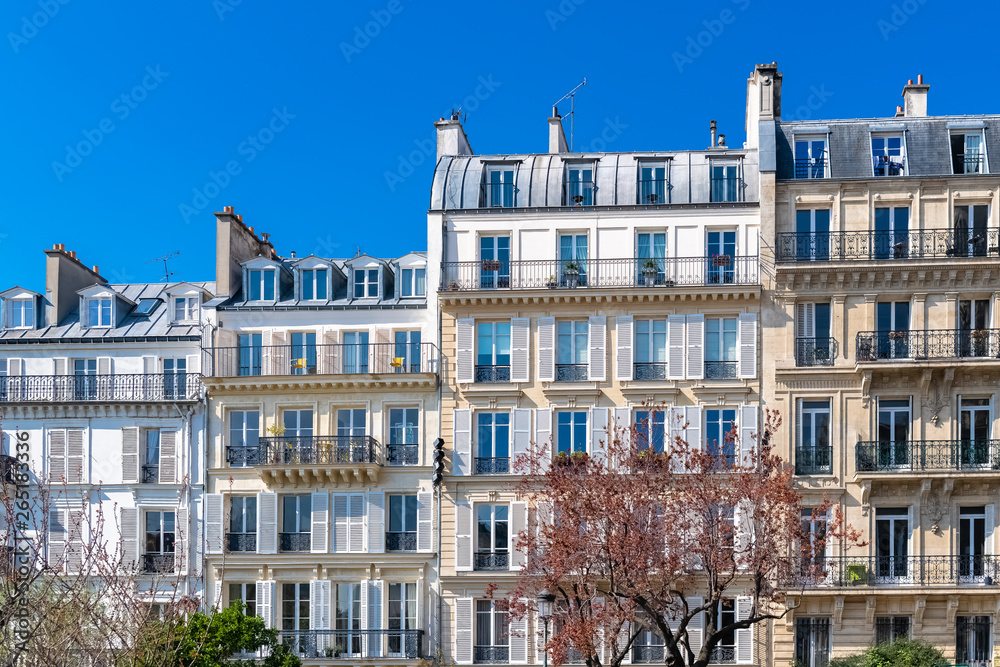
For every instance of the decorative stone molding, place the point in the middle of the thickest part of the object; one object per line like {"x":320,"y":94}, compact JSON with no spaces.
{"x":933,"y":506}
{"x":919,"y":606}
{"x":838,"y":612}
{"x":952,"y":608}
{"x":870,"y":607}
{"x":866,"y":492}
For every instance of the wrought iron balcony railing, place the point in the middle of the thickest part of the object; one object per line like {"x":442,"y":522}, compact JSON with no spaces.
{"x":491,"y":560}
{"x":531,"y":274}
{"x":928,"y":455}
{"x":723,"y":655}
{"x":812,"y":168}
{"x":354,"y":644}
{"x":492,"y":373}
{"x":157,"y":563}
{"x":571,"y":372}
{"x":150,"y":474}
{"x":579,"y":193}
{"x":845,"y":571}
{"x":131,"y":387}
{"x":294,"y":541}
{"x":814,"y":460}
{"x":241,"y":457}
{"x":319,"y":450}
{"x":647,"y":654}
{"x":928,"y":344}
{"x":654,"y":191}
{"x":815,"y":351}
{"x":401,"y":454}
{"x":497,"y":195}
{"x":727,"y":189}
{"x":241,"y":542}
{"x":491,"y":655}
{"x":721,"y":370}
{"x":970,"y":163}
{"x":649,"y":371}
{"x":917,"y":244}
{"x":401,"y":541}
{"x":334,"y":359}
{"x":492,"y":466}
{"x":8,"y":467}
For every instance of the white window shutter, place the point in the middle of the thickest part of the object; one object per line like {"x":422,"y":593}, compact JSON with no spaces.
{"x":624,"y":635}
{"x":747,"y":345}
{"x":214,"y":514}
{"x":104,"y":365}
{"x":519,"y":639}
{"x":194,"y":363}
{"x":989,"y":546}
{"x":57,"y":455}
{"x":622,"y":428}
{"x":543,"y":435}
{"x":692,"y":434}
{"x":465,"y":354}
{"x":168,"y":457}
{"x":520,"y":418}
{"x":520,"y":349}
{"x":61,"y":365}
{"x":744,"y":638}
{"x":356,"y":522}
{"x":425,"y":521}
{"x":182,"y":540}
{"x":623,"y":347}
{"x":597,"y":367}
{"x":374,"y":611}
{"x":743,"y":539}
{"x":518,"y":524}
{"x":376,"y":522}
{"x":463,"y":536}
{"x":150,"y":364}
{"x":58,"y":537}
{"x":267,"y":523}
{"x":461,"y":463}
{"x":320,"y":520}
{"x":319,"y":605}
{"x":217,"y":595}
{"x":14,"y":367}
{"x":130,"y":536}
{"x":696,"y":347}
{"x":265,"y":602}
{"x":599,"y":434}
{"x":748,"y":433}
{"x":696,"y":626}
{"x":675,"y":347}
{"x":464,"y":618}
{"x":546,"y":349}
{"x":805,"y":320}
{"x":363,"y":621}
{"x":340,"y":511}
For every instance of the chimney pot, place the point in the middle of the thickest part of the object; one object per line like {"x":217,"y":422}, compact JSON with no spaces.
{"x":722,"y":140}
{"x":712,"y":127}
{"x":909,"y":82}
{"x":55,"y":246}
{"x":96,"y":269}
{"x":72,"y":253}
{"x":251,"y":229}
{"x":227,"y":209}
{"x":293,"y":254}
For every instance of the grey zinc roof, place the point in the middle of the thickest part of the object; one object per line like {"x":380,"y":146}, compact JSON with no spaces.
{"x":155,"y":325}
{"x":928,"y":148}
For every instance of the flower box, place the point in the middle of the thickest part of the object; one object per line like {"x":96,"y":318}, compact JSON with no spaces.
{"x":491,"y":265}
{"x":721,"y":260}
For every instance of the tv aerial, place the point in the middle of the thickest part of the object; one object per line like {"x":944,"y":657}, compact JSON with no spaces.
{"x":166,"y":272}
{"x":571,"y":94}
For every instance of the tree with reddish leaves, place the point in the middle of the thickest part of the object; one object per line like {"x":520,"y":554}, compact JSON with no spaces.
{"x":659,"y":549}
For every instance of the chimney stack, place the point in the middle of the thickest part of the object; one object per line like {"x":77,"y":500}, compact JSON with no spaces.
{"x":235,"y":243}
{"x":451,"y":139}
{"x":712,"y":128}
{"x":65,"y":275}
{"x":557,"y":136}
{"x":915,"y":98}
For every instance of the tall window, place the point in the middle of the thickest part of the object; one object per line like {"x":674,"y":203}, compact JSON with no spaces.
{"x":972,"y":640}
{"x":404,"y":436}
{"x":718,"y":437}
{"x":725,"y":183}
{"x":892,"y":542}
{"x":250,"y":350}
{"x":348,"y":621}
{"x":650,"y":426}
{"x":261,"y":284}
{"x":99,"y":312}
{"x":974,"y":427}
{"x":893,"y":323}
{"x":244,"y":435}
{"x":151,"y":457}
{"x":814,"y":528}
{"x":365,"y":283}
{"x":653,"y":183}
{"x":313,"y":284}
{"x":406,"y":351}
{"x":967,"y":155}
{"x":185,"y":309}
{"x":352,"y":422}
{"x":571,"y":433}
{"x":974,"y":336}
{"x":887,"y":155}
{"x":812,"y":641}
{"x":814,"y":454}
{"x":573,"y":258}
{"x":892,"y":233}
{"x":175,"y":377}
{"x":651,"y":250}
{"x":492,"y":632}
{"x":725,"y":614}
{"x":242,"y":536}
{"x":810,"y":157}
{"x":160,"y":534}
{"x":402,"y":616}
{"x":296,"y":518}
{"x":246,"y":595}
{"x":492,"y":537}
{"x":492,"y":443}
{"x":493,"y":352}
{"x":893,"y":433}
{"x":579,"y":187}
{"x":721,"y":246}
{"x":402,"y":534}
{"x":414,"y":282}
{"x":812,"y":234}
{"x":649,"y":645}
{"x":972,"y":541}
{"x":20,"y":313}
{"x":720,"y":347}
{"x":499,"y":187}
{"x":298,"y":424}
{"x":356,"y":352}
{"x":295,"y":616}
{"x":971,"y":221}
{"x":494,"y":253}
{"x":650,"y":349}
{"x":85,"y":380}
{"x":813,"y":346}
{"x":303,"y":353}
{"x":572,"y":350}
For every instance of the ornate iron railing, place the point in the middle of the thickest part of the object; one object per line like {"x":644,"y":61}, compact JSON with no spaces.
{"x":847,"y":571}
{"x":294,"y":541}
{"x":723,"y":655}
{"x":133,"y":387}
{"x":334,"y":359}
{"x":647,"y":654}
{"x":721,"y":370}
{"x":814,"y":460}
{"x":492,"y":373}
{"x":241,"y":542}
{"x":815,"y":351}
{"x":492,"y":466}
{"x":812,"y":168}
{"x":241,"y":457}
{"x":497,"y":195}
{"x":491,"y":560}
{"x":928,"y":455}
{"x":649,"y":371}
{"x":653,"y":191}
{"x":579,"y":193}
{"x":600,"y":273}
{"x":157,"y":563}
{"x":401,"y":541}
{"x":491,"y":655}
{"x":401,"y":454}
{"x":868,"y":245}
{"x":354,"y":644}
{"x":928,"y":344}
{"x":319,"y":450}
{"x":973,"y":163}
{"x":150,"y":474}
{"x":8,"y":466}
{"x":571,"y":372}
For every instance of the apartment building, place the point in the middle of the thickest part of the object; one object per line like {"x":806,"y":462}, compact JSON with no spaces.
{"x":575,"y":289}
{"x":322,"y":378}
{"x":105,"y":379}
{"x":881,"y":353}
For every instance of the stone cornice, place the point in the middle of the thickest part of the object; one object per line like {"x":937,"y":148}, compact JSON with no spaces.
{"x":598,"y":296}
{"x":94,"y":410}
{"x":793,"y":278}
{"x":305,"y":383}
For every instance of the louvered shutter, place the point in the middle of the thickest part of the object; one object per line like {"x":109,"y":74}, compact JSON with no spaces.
{"x":182,"y":540}
{"x":104,"y":365}
{"x":747,"y":345}
{"x":150,"y":364}
{"x":129,"y":521}
{"x":695,"y":347}
{"x":597,"y":363}
{"x":675,"y":347}
{"x":465,"y":353}
{"x":376,"y":522}
{"x":520,"y":418}
{"x":217,"y":595}
{"x":543,"y":435}
{"x":328,"y":356}
{"x":356,"y":523}
{"x":383,"y":350}
{"x":463,"y":536}
{"x":374,"y":612}
{"x":988,"y":542}
{"x":623,"y":347}
{"x":748,"y":433}
{"x":744,"y":638}
{"x":520,"y":349}
{"x":57,"y":455}
{"x":194,"y":364}
{"x":60,"y":365}
{"x":676,"y":418}
{"x":265,"y":602}
{"x":622,"y":429}
{"x":518,"y":524}
{"x":320,"y":523}
{"x":696,"y":626}
{"x":363,"y":621}
{"x":168,"y":457}
{"x":519,"y":638}
{"x":75,"y":521}
{"x":624,"y":636}
{"x":692,"y":434}
{"x":805,"y":320}
{"x":599,"y":434}
{"x":214,"y":513}
{"x":743,"y":539}
{"x":58,"y":538}
{"x":267,"y":523}
{"x":464,"y":618}
{"x":340,"y":528}
{"x":425,"y":521}
{"x":546,"y":349}
{"x":319,"y":606}
{"x":461,"y":463}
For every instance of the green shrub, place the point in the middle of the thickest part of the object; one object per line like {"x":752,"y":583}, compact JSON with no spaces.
{"x":900,"y":653}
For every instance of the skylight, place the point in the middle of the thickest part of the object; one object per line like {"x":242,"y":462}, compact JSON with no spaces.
{"x":145,"y":307}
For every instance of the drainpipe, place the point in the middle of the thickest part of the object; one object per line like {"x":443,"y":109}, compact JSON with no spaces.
{"x":439,"y":600}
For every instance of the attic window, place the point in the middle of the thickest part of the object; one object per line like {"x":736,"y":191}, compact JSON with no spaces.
{"x":261,"y":284}
{"x":313,"y":284}
{"x":99,"y":312}
{"x":145,"y":307}
{"x":365,"y":283}
{"x":21,"y":314}
{"x":414,"y":282}
{"x":185,"y":309}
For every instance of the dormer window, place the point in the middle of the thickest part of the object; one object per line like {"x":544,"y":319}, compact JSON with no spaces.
{"x":365,"y":283}
{"x":578,"y":190}
{"x":20,"y":314}
{"x":726,"y":182}
{"x":810,"y":156}
{"x":314,"y":284}
{"x":888,"y":156}
{"x":414,"y":282}
{"x":185,"y":309}
{"x":261,"y":284}
{"x":653,"y":183}
{"x":99,"y":312}
{"x":498,"y":190}
{"x":968,"y":154}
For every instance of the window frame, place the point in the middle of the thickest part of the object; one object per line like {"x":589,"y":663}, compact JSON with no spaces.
{"x":494,"y":548}
{"x":644,"y":192}
{"x":367,"y":282}
{"x":736,"y":178}
{"x":259,"y":282}
{"x":575,"y":336}
{"x":814,"y":163}
{"x":885,"y":135}
{"x":573,"y":425}
{"x":406,"y":506}
{"x":983,"y":161}
{"x":301,"y":514}
{"x":105,"y":307}
{"x":414,"y":284}
{"x":492,"y":427}
{"x":189,"y":307}
{"x":489,"y":184}
{"x":23,"y":307}
{"x":249,"y":527}
{"x":309,"y":277}
{"x":578,"y":188}
{"x":247,"y":590}
{"x":162,"y":533}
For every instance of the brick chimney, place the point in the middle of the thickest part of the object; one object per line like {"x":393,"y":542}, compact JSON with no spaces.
{"x":235,"y":243}
{"x":915,"y":98}
{"x":557,"y":135}
{"x":65,"y":275}
{"x":451,"y":139}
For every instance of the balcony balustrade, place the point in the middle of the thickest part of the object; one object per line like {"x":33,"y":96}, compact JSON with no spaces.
{"x":637,"y":272}
{"x":286,"y":459}
{"x":965,"y":344}
{"x":158,"y":563}
{"x":401,"y":454}
{"x":491,"y":560}
{"x":128,"y":387}
{"x":649,"y":371}
{"x":812,"y":168}
{"x":351,"y":645}
{"x":648,"y":654}
{"x":150,"y":474}
{"x":491,"y":374}
{"x":888,"y":571}
{"x":889,"y":165}
{"x":241,"y":542}
{"x":334,"y":359}
{"x":721,"y":370}
{"x":401,"y":541}
{"x":293,"y":542}
{"x":814,"y":460}
{"x":492,"y":466}
{"x":815,"y":351}
{"x":571,"y":372}
{"x":491,"y":655}
{"x":868,"y":245}
{"x":928,"y":456}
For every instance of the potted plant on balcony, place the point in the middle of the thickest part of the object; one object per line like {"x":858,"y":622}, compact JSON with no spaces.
{"x":551,"y":282}
{"x":649,"y":271}
{"x":491,"y":265}
{"x":278,"y":456}
{"x":572,"y":272}
{"x":721,"y":260}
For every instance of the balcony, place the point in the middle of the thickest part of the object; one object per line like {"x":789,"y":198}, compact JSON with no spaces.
{"x":815,"y":351}
{"x":401,"y":541}
{"x":401,"y":454}
{"x":492,"y":374}
{"x":888,"y":571}
{"x":134,"y":388}
{"x":158,"y":563}
{"x":812,"y":168}
{"x":292,"y":459}
{"x":814,"y":460}
{"x":868,"y":245}
{"x":970,"y":163}
{"x":242,"y":457}
{"x":721,"y":370}
{"x":491,"y":655}
{"x":150,"y":474}
{"x":354,"y":644}
{"x":579,"y":193}
{"x":571,"y":372}
{"x":928,"y":456}
{"x":312,"y":360}
{"x":8,"y":468}
{"x":492,"y":466}
{"x":491,"y":560}
{"x":649,"y":371}
{"x":241,"y":542}
{"x":930,"y":344}
{"x":654,"y":191}
{"x":648,"y":654}
{"x":497,"y":195}
{"x":294,"y":542}
{"x":629,"y":272}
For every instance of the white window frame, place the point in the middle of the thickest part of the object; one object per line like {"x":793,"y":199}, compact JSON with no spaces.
{"x":816,"y":163}
{"x":245,"y":591}
{"x":575,"y":337}
{"x":367,"y":282}
{"x":189,"y":309}
{"x":984,"y":165}
{"x":572,"y":448}
{"x":24,"y":322}
{"x":264,"y":275}
{"x":312,"y":278}
{"x":501,"y":169}
{"x":101,"y":311}
{"x":408,"y":278}
{"x":651,"y":351}
{"x":493,"y":639}
{"x":891,"y":134}
{"x":721,"y":351}
{"x":494,"y":549}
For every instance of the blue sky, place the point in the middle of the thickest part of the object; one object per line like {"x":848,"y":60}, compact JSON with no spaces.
{"x":128,"y":123}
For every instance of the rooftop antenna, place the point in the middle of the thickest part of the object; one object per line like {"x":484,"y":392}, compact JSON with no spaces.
{"x":570,"y":95}
{"x":166,"y":272}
